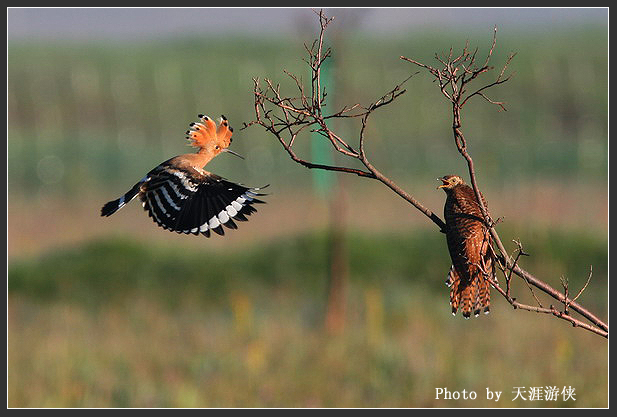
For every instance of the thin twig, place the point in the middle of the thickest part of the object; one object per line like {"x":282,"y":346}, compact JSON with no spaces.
{"x":286,"y":117}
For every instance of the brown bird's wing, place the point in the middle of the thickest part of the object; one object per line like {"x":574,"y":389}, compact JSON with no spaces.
{"x":468,"y":244}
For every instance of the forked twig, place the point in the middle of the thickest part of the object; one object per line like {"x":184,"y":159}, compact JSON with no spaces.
{"x":453,"y":77}
{"x":286,"y":117}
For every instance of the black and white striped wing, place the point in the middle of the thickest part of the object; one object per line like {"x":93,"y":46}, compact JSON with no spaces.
{"x":190,"y":202}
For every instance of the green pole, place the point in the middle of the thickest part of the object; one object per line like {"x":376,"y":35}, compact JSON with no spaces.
{"x":323,"y":181}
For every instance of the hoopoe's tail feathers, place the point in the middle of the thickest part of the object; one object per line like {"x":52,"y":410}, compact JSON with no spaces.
{"x":112,"y":206}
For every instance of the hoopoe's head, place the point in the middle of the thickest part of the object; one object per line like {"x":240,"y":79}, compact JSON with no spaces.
{"x":209,"y":138}
{"x":450,"y":181}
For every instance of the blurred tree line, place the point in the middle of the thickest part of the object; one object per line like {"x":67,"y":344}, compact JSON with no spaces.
{"x":86,"y":116}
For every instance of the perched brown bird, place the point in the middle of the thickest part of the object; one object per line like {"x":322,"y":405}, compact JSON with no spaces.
{"x":181,"y":196}
{"x":469,"y":244}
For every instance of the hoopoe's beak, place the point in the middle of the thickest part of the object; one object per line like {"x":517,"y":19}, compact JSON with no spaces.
{"x":233,"y":153}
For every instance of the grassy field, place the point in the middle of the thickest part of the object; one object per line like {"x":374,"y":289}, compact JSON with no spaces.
{"x":90,"y":116}
{"x":117,"y":323}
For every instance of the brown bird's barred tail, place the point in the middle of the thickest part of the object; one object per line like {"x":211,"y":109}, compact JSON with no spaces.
{"x":471,"y":296}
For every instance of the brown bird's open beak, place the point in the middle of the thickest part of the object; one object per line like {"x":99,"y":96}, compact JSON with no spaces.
{"x":443,"y":181}
{"x":233,"y":153}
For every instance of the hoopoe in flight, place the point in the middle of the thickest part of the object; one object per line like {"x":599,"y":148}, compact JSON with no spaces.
{"x":181,"y":196}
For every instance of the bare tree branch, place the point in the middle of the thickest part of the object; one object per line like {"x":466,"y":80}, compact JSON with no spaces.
{"x":453,"y":78}
{"x":285,"y":117}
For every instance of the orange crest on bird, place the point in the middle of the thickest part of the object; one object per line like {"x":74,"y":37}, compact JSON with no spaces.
{"x":206,"y":135}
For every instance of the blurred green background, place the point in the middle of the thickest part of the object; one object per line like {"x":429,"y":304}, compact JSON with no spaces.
{"x":116,"y":312}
